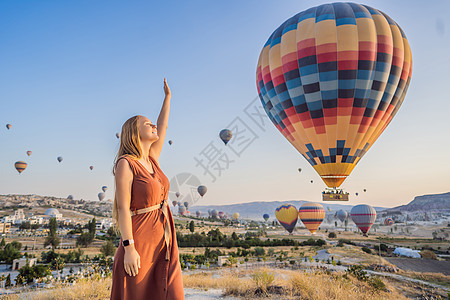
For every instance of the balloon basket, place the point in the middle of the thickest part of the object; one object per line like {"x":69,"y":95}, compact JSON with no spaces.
{"x":334,"y":194}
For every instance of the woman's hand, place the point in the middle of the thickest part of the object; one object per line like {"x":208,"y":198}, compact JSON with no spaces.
{"x":131,"y":261}
{"x":166,"y":88}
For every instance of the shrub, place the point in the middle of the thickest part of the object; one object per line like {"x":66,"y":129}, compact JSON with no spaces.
{"x":367,"y":250}
{"x":332,"y":235}
{"x":428,"y":254}
{"x":263,"y":279}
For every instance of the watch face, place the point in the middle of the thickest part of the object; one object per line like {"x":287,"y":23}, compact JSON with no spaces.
{"x":126,"y":243}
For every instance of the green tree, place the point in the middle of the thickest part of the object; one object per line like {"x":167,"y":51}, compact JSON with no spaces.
{"x":108,"y":249}
{"x":52,"y":238}
{"x":2,"y":243}
{"x":234,"y":236}
{"x":11,"y":252}
{"x":8,"y":280}
{"x":192,"y":226}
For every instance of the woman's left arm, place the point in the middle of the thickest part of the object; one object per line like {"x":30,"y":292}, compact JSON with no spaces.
{"x":163,"y":118}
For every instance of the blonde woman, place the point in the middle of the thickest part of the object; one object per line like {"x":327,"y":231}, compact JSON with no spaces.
{"x":146,"y":264}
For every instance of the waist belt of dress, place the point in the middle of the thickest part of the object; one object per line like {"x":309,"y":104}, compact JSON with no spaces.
{"x":167,"y":231}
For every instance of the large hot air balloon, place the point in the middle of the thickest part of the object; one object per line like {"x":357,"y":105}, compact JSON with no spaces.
{"x":29,"y":153}
{"x":20,"y":166}
{"x":364,"y":216}
{"x":202,"y":190}
{"x":60,"y":159}
{"x":236,"y":216}
{"x":214,"y":213}
{"x":225,"y":135}
{"x":101,"y":196}
{"x":266,"y":217}
{"x":170,"y":142}
{"x":312,"y":215}
{"x":287,"y":215}
{"x":388,"y":222}
{"x":341,"y":215}
{"x":331,"y":79}
{"x":104,"y":188}
{"x":174,"y":203}
{"x":8,"y":126}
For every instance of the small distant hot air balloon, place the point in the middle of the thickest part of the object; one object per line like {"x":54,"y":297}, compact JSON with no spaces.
{"x":312,"y":181}
{"x":181,"y":209}
{"x":198,"y":213}
{"x":266,"y":217}
{"x":101,"y":196}
{"x":91,"y":167}
{"x":236,"y":216}
{"x":177,"y":194}
{"x":214,"y":213}
{"x":225,"y":135}
{"x":20,"y":166}
{"x":186,"y":204}
{"x":170,"y":142}
{"x":341,"y":215}
{"x":356,"y":194}
{"x":60,"y":159}
{"x":388,"y":222}
{"x":287,"y":215}
{"x":174,"y":203}
{"x":365,"y":190}
{"x":209,"y":212}
{"x":363,"y":216}
{"x":299,"y":170}
{"x":70,"y":197}
{"x":104,"y":188}
{"x":312,"y":215}
{"x":221,"y":214}
{"x":117,"y":135}
{"x":8,"y":126}
{"x":202,"y":190}
{"x":29,"y":153}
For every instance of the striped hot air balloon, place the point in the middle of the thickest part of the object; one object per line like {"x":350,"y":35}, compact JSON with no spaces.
{"x":331,"y":79}
{"x":287,"y":215}
{"x":363,"y":216}
{"x":20,"y":166}
{"x":312,"y":215}
{"x":388,"y":222}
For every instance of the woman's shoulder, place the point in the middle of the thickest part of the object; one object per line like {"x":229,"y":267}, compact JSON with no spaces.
{"x":130,"y":159}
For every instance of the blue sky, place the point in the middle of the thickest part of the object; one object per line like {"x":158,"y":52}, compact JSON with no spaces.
{"x":73,"y":71}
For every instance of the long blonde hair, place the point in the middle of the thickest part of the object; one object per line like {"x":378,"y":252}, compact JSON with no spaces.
{"x":130,"y":144}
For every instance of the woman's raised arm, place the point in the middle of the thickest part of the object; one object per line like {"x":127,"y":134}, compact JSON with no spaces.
{"x":163,"y":119}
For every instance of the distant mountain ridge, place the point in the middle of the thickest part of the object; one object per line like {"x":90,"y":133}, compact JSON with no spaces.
{"x":255,"y":210}
{"x":433,"y":202}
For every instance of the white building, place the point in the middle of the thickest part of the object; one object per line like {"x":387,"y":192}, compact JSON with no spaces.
{"x":103,"y":224}
{"x":21,"y":262}
{"x":53,"y":213}
{"x":36,"y":220}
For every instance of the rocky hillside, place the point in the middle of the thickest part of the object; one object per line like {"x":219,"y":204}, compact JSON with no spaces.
{"x":435,"y":202}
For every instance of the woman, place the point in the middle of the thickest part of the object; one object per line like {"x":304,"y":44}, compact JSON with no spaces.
{"x":146,"y":264}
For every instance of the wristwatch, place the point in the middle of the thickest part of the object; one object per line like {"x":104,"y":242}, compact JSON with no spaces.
{"x":127,"y":242}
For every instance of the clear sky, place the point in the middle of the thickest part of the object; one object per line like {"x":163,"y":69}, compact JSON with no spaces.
{"x":72,"y":72}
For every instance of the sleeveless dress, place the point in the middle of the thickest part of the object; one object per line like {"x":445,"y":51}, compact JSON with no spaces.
{"x":157,"y":278}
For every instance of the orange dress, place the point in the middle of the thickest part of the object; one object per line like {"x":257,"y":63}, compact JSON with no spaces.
{"x":158,"y":278}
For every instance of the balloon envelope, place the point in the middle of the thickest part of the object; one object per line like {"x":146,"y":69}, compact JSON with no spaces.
{"x":104,"y":188}
{"x":287,"y":215}
{"x":170,"y":142}
{"x":174,"y":203}
{"x":60,"y":158}
{"x":341,"y":215}
{"x":198,"y":213}
{"x":364,"y":216}
{"x":91,"y":167}
{"x":186,"y":204}
{"x":8,"y":126}
{"x":214,"y":213}
{"x":117,"y":135}
{"x":181,"y":209}
{"x":70,"y":197}
{"x":202,"y":190}
{"x":236,"y":216}
{"x":20,"y":166}
{"x":331,"y":79}
{"x":388,"y":222}
{"x":29,"y":153}
{"x":177,"y":194}
{"x":225,"y":135}
{"x":312,"y":215}
{"x":101,"y":196}
{"x":221,"y":214}
{"x":266,"y":217}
